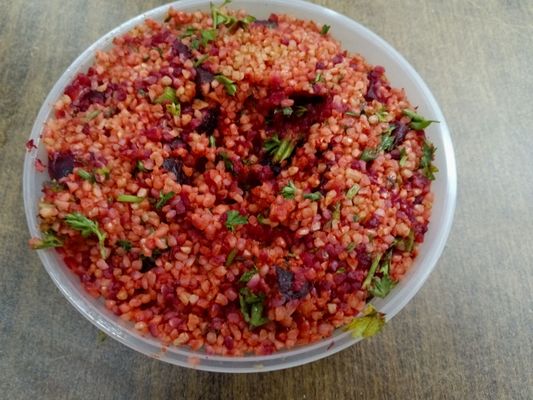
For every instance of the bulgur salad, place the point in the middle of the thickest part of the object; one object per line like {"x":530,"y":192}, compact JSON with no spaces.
{"x":235,"y":185}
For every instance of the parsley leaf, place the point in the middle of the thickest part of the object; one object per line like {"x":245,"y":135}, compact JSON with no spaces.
{"x":231,"y":256}
{"x":245,"y":278}
{"x":86,"y":176}
{"x":208,"y":35}
{"x":48,"y":240}
{"x":201,"y":60}
{"x":233,"y":218}
{"x":163,"y":199}
{"x":86,"y":227}
{"x":125,"y":244}
{"x":227,"y":161}
{"x":381,"y":287}
{"x":231,"y":87}
{"x":325,"y":29}
{"x":315,"y":196}
{"x":428,"y":153}
{"x":403,"y":157}
{"x":352,"y":192}
{"x":289,"y":191}
{"x":212,"y":142}
{"x":92,"y":115}
{"x":168,"y":96}
{"x":174,"y":109}
{"x":252,"y":307}
{"x":318,"y":78}
{"x":418,"y":122}
{"x":279,"y":149}
{"x":189,"y":31}
{"x":128,"y":198}
{"x":371,"y":272}
{"x":370,"y":323}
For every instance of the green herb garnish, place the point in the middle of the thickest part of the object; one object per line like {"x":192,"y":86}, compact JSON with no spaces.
{"x":231,"y":87}
{"x":403,"y":157}
{"x":86,"y":176}
{"x":168,"y":96}
{"x":201,"y":60}
{"x":48,"y":240}
{"x":129,"y":198}
{"x":350,"y":247}
{"x":371,"y":272}
{"x":231,"y":257}
{"x":227,"y":161}
{"x":356,"y":218}
{"x":189,"y":31}
{"x":336,"y":214}
{"x":315,"y":196}
{"x":280,"y":150}
{"x":208,"y":35}
{"x":370,"y":323}
{"x":174,"y":109}
{"x":352,"y":192}
{"x":163,"y":199}
{"x":369,"y":154}
{"x":300,"y":110}
{"x":92,"y":115}
{"x":351,"y":113}
{"x":318,"y":78}
{"x":233,"y":218}
{"x":408,"y":243}
{"x":245,"y":278}
{"x":418,"y":122}
{"x":252,"y":307}
{"x":428,"y":153}
{"x":289,"y":191}
{"x":103,"y":171}
{"x":139,"y":166}
{"x":382,"y":114}
{"x":325,"y":29}
{"x":212,"y":141}
{"x":125,"y":244}
{"x":86,"y":227}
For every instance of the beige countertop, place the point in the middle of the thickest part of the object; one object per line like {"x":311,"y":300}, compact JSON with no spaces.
{"x":468,"y":334}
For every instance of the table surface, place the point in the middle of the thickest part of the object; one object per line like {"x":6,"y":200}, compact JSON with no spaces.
{"x":466,"y":335}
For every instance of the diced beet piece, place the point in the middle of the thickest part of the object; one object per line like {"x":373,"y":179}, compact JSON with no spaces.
{"x":320,"y":65}
{"x":399,"y":133}
{"x":265,"y":22}
{"x":364,"y":259}
{"x":30,"y":145}
{"x":374,"y":83}
{"x":209,"y":121}
{"x":88,"y":98}
{"x":290,"y":289}
{"x":175,"y":166}
{"x":337,"y":59}
{"x":154,"y":134}
{"x":180,"y":49}
{"x":60,"y":164}
{"x":372,"y":223}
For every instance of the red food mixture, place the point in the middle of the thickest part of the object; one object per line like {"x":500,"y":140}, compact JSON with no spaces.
{"x":241,"y":188}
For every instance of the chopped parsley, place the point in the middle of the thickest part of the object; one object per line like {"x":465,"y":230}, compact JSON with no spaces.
{"x":48,"y":240}
{"x":351,"y":113}
{"x":371,"y":272}
{"x":233,"y":218}
{"x":289,"y":191}
{"x":403,"y":157}
{"x":163,"y":199}
{"x":212,"y":141}
{"x":370,"y":323}
{"x":174,"y":109}
{"x":408,"y":243}
{"x":315,"y":196}
{"x":227,"y":161}
{"x":139,"y":166}
{"x":168,"y":96}
{"x":231,"y":256}
{"x":245,"y":278}
{"x":382,"y":114}
{"x":208,"y":35}
{"x":352,"y":192}
{"x":129,"y":198}
{"x":125,"y":244}
{"x":231,"y":87}
{"x":280,"y":150}
{"x":325,"y":29}
{"x":428,"y":153}
{"x":189,"y":31}
{"x":318,"y":78}
{"x":350,"y":247}
{"x":87,"y":227}
{"x":252,"y":307}
{"x":92,"y":115}
{"x":86,"y":176}
{"x":418,"y":122}
{"x":201,"y":60}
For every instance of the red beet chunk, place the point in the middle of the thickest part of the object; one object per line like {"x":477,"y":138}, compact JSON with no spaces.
{"x":209,"y":121}
{"x":60,"y":164}
{"x":175,"y":166}
{"x":288,"y":287}
{"x":180,"y":49}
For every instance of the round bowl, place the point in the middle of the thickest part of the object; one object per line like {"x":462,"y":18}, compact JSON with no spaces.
{"x":354,"y":38}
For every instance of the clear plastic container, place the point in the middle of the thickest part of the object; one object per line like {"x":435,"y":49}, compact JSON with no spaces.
{"x":354,"y":38}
